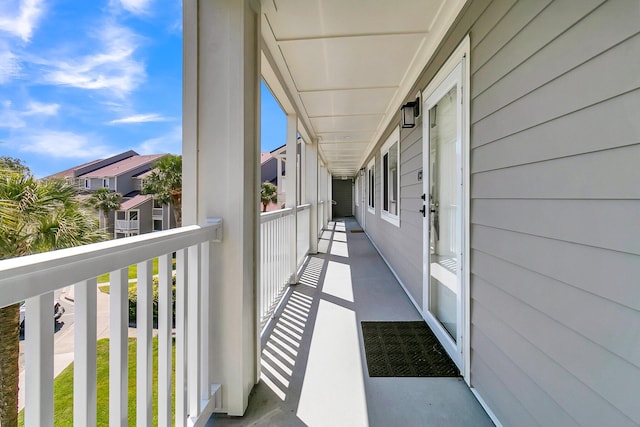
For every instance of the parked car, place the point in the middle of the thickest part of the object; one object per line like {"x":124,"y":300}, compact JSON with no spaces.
{"x":58,"y":311}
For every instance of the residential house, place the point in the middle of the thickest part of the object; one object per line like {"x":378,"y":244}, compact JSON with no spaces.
{"x":123,"y":173}
{"x":494,"y":149}
{"x":273,"y":170}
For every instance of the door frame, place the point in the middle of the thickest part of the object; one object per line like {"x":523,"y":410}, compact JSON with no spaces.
{"x":459,"y":351}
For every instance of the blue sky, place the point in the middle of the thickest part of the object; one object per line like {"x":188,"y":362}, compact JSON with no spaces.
{"x":81,"y":80}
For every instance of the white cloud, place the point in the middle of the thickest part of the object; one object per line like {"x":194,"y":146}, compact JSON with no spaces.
{"x":137,"y":7}
{"x":21,"y":22}
{"x":140,"y":118}
{"x":9,"y":118}
{"x":14,"y":119}
{"x":36,"y":108}
{"x":113,"y":68}
{"x":170,"y":142}
{"x":9,"y":65}
{"x":60,"y":144}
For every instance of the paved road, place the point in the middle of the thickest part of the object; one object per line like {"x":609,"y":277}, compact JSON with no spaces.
{"x":64,"y":334}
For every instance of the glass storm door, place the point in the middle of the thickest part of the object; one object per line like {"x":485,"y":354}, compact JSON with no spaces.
{"x":443,"y":228}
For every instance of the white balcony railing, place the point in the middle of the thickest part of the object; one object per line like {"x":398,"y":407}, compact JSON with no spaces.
{"x":275,"y":259}
{"x":276,"y":253}
{"x":127,"y":225}
{"x":35,"y":278}
{"x":304,"y":235}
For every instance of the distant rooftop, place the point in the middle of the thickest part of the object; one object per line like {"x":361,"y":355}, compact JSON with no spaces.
{"x":134,"y":202}
{"x":123,"y":166}
{"x":91,"y":166}
{"x":264,"y":157}
{"x":70,"y":173}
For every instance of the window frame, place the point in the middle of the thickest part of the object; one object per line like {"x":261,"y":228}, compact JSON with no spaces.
{"x":371,"y":186}
{"x":386,"y":214}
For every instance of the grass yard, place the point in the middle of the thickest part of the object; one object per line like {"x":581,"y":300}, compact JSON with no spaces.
{"x":133,"y":271}
{"x":63,"y":388}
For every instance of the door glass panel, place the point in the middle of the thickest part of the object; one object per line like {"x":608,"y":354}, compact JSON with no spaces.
{"x":443,"y":199}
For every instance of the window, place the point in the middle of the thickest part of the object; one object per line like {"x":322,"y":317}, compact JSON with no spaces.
{"x":157,"y":203}
{"x":105,"y":182}
{"x":157,"y":225}
{"x":371,"y":186}
{"x":390,"y":194}
{"x":87,"y":183}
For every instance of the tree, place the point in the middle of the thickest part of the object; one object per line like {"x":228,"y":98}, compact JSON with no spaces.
{"x":105,"y":201}
{"x":165,"y":183}
{"x":268,"y":194}
{"x":35,"y":216}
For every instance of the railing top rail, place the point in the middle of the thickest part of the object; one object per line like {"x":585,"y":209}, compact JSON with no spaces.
{"x":304,"y":207}
{"x":32,"y":275}
{"x":273,"y":215}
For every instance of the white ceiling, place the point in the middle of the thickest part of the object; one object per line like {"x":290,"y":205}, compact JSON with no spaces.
{"x":348,"y":64}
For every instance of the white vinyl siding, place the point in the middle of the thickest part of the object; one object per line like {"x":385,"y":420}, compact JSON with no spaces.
{"x":555,"y":202}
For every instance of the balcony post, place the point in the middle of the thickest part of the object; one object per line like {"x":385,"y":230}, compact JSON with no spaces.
{"x":221,"y":146}
{"x":292,"y":190}
{"x":311,"y":186}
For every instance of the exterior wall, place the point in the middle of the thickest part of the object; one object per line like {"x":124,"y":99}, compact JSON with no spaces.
{"x":555,"y":203}
{"x":146,"y":217}
{"x":126,"y":182}
{"x":269,"y":171}
{"x":404,"y":251}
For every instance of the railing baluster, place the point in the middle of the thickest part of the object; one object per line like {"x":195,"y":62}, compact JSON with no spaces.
{"x":193,"y":331}
{"x":84,"y":366}
{"x":205,"y":304}
{"x":118,"y":347}
{"x":165,"y":323}
{"x":39,"y":361}
{"x":181,"y":337}
{"x":144,"y":323}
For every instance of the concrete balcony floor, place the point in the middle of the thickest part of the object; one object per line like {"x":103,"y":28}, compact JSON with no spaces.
{"x":314,"y":370}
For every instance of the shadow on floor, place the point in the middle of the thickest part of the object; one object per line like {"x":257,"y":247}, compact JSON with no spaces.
{"x":314,"y":369}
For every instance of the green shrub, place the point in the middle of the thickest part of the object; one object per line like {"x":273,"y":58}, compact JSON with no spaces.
{"x":133,"y":302}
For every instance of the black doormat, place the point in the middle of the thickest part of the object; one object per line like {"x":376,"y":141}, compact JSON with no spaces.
{"x":405,"y":349}
{"x":355,"y":230}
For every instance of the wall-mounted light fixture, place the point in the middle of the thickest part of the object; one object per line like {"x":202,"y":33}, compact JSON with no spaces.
{"x":409,"y":112}
{"x":362,"y":172}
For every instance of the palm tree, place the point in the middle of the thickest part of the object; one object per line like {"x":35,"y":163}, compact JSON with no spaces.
{"x":165,"y":183}
{"x":105,"y":201}
{"x":268,"y":194}
{"x":35,"y":216}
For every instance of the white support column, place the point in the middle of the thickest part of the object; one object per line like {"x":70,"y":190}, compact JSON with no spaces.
{"x":311,"y":191}
{"x":292,"y":190}
{"x":221,"y":146}
{"x":39,"y":361}
{"x":118,"y":347}
{"x":84,"y":363}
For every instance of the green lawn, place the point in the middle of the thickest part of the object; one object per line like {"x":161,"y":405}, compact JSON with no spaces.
{"x":133,"y":271}
{"x":63,"y":388}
